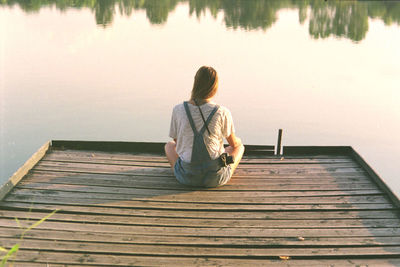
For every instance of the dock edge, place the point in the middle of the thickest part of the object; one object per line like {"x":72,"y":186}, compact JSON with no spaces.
{"x":23,"y":170}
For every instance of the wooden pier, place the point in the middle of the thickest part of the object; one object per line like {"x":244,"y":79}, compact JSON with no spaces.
{"x":120,"y":205}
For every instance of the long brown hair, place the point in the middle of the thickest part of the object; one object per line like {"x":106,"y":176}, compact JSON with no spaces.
{"x":205,"y":83}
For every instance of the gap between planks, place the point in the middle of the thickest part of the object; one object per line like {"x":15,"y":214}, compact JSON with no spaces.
{"x":287,"y":215}
{"x":200,"y":251}
{"x":202,"y":222}
{"x":112,"y":238}
{"x":122,"y":260}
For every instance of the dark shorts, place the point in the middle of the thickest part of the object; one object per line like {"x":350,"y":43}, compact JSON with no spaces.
{"x":209,"y":174}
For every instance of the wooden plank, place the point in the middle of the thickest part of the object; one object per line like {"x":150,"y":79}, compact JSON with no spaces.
{"x":209,"y":231}
{"x":305,"y":156}
{"x":189,"y":193}
{"x":38,"y":264}
{"x":228,"y":187}
{"x":172,"y":184}
{"x":259,"y":147}
{"x":167,"y":170}
{"x":339,"y":177}
{"x":293,"y":161}
{"x":262,"y":224}
{"x":47,"y":257}
{"x":21,"y":172}
{"x":316,"y":150}
{"x":203,"y":222}
{"x":131,"y":158}
{"x":95,"y":161}
{"x":250,"y":173}
{"x":117,"y":179}
{"x":374,"y":176}
{"x":200,"y":251}
{"x":145,"y":171}
{"x":262,"y":152}
{"x":178,"y":198}
{"x":119,"y":156}
{"x":149,"y":175}
{"x":161,"y":157}
{"x":141,"y":204}
{"x":147,"y":147}
{"x":258,"y":165}
{"x":111,"y":238}
{"x":286,"y":215}
{"x":134,"y":158}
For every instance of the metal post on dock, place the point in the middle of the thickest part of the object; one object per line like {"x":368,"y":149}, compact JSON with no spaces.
{"x":279,"y":144}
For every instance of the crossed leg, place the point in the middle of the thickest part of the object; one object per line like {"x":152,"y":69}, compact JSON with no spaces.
{"x":172,"y":156}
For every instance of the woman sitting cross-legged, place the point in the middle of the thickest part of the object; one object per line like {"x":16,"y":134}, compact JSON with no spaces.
{"x":199,"y":127}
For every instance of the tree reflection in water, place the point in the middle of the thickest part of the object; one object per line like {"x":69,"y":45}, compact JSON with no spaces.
{"x":338,"y":18}
{"x":342,"y":19}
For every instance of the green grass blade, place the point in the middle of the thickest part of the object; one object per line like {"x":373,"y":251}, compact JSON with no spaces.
{"x":10,"y":253}
{"x":40,"y":221}
{"x":18,"y":223}
{"x":14,"y":249}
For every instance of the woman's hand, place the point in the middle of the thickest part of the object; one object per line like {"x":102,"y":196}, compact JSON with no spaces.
{"x":235,"y":149}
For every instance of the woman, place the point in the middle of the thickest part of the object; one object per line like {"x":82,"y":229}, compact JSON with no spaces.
{"x":199,"y":127}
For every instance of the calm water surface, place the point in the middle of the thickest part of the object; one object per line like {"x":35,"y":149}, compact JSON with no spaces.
{"x":325,"y":72}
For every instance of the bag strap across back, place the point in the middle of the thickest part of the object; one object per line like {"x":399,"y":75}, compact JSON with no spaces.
{"x":206,"y":122}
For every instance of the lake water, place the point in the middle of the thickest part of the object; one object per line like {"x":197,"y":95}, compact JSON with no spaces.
{"x":327,"y":73}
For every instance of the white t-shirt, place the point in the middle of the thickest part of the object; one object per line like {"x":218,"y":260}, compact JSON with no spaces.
{"x":220,"y":126}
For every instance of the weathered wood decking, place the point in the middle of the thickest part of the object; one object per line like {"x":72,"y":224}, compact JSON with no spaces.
{"x":317,"y":206}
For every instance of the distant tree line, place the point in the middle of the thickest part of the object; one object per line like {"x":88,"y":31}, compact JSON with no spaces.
{"x":339,"y":18}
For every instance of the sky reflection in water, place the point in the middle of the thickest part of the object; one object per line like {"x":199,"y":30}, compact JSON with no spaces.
{"x":327,"y":73}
